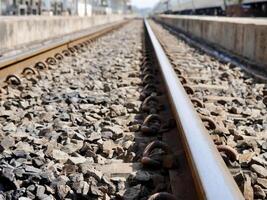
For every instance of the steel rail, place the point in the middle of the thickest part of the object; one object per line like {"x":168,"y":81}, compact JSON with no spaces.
{"x":212,"y":178}
{"x":16,"y":63}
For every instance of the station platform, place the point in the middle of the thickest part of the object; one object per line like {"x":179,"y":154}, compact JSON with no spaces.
{"x":244,"y":37}
{"x":18,"y":32}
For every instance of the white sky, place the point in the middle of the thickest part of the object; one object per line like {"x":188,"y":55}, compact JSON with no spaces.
{"x":144,"y":3}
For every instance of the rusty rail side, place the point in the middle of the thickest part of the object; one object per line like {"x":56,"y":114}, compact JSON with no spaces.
{"x":212,"y":178}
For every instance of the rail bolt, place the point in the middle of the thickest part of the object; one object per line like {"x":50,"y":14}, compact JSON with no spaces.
{"x":182,"y":79}
{"x":209,"y":123}
{"x":146,"y":64}
{"x":66,"y":53}
{"x":88,"y":42}
{"x":71,"y":49}
{"x":159,"y":158}
{"x":148,"y":90}
{"x":178,"y":71}
{"x":188,"y":89}
{"x":149,"y":78}
{"x":76,"y":47}
{"x":59,"y":56}
{"x":229,"y":151}
{"x":149,"y":70}
{"x":28,"y":71}
{"x":13,"y":79}
{"x":162,"y":196}
{"x":146,"y":58}
{"x":197,"y":103}
{"x":151,"y":125}
{"x":40,"y":65}
{"x":51,"y":61}
{"x":151,"y":104}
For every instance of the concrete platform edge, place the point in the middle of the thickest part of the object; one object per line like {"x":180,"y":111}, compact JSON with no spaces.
{"x":243,"y":40}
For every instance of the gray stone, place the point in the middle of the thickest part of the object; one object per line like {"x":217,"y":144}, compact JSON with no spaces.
{"x":40,"y":191}
{"x":23,"y":198}
{"x":62,"y":190}
{"x":108,"y":147}
{"x":60,"y":155}
{"x":32,"y":169}
{"x":117,"y":179}
{"x":142,"y":175}
{"x":116,"y":130}
{"x":127,"y":144}
{"x":258,"y":192}
{"x":100,"y":159}
{"x":248,"y":190}
{"x":10,"y":127}
{"x":78,"y":136}
{"x":95,"y":190}
{"x":117,"y":110}
{"x":107,"y":134}
{"x":94,"y":136}
{"x":262,"y":182}
{"x":261,"y":171}
{"x":8,"y":172}
{"x":77,"y":160}
{"x":87,"y":168}
{"x":132,"y":193}
{"x":73,"y":146}
{"x":23,"y":146}
{"x":86,"y":188}
{"x":7,"y":142}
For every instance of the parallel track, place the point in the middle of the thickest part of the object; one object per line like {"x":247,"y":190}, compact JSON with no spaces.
{"x":52,"y":51}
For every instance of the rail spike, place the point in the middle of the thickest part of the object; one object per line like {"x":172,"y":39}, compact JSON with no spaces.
{"x":162,"y":196}
{"x":71,"y":49}
{"x":151,"y":125}
{"x":182,"y":79}
{"x":149,"y":78}
{"x":151,"y":104}
{"x":196,"y":102}
{"x":40,"y":66}
{"x":28,"y":71}
{"x":13,"y":79}
{"x":66,"y":53}
{"x":51,"y":61}
{"x":148,"y":90}
{"x":229,"y":151}
{"x":166,"y":161}
{"x":211,"y":125}
{"x":188,"y":89}
{"x":59,"y":56}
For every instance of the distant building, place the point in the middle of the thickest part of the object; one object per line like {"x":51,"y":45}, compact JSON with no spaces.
{"x":62,"y":7}
{"x":20,"y":7}
{"x":119,"y":6}
{"x":6,"y":7}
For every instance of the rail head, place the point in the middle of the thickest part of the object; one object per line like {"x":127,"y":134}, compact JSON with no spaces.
{"x":212,"y":178}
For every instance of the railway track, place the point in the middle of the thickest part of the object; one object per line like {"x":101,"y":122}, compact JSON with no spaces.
{"x":52,"y":51}
{"x":231,"y":103}
{"x":107,"y":118}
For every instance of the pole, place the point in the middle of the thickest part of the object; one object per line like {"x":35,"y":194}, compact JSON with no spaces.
{"x":193,"y":6}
